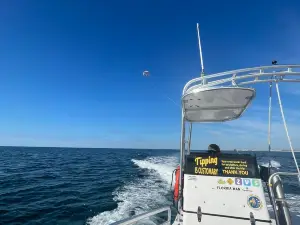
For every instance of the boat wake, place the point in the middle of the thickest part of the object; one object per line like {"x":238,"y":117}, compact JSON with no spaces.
{"x":272,"y":163}
{"x":294,"y":203}
{"x":142,"y":194}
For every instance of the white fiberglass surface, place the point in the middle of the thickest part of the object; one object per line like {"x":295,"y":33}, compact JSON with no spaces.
{"x":217,"y":104}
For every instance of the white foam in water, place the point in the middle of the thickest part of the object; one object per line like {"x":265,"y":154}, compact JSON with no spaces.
{"x":141,"y":195}
{"x":273,"y":163}
{"x":294,"y":203}
{"x":163,"y":166}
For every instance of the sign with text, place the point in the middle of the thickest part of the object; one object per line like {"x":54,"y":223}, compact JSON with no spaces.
{"x":228,"y":165}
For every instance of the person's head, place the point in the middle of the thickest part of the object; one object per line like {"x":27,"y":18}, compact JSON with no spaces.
{"x":213,"y":148}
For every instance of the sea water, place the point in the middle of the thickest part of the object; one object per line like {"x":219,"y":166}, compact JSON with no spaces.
{"x":97,"y":186}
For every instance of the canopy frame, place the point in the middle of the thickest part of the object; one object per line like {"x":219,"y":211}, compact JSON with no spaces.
{"x":235,"y":78}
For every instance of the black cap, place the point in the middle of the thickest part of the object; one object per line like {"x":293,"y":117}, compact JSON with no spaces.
{"x":213,"y":148}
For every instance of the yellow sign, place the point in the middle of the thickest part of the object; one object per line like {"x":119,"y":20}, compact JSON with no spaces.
{"x":206,"y":171}
{"x":234,"y":167}
{"x":205,"y":165}
{"x":225,"y":165}
{"x":200,"y":161}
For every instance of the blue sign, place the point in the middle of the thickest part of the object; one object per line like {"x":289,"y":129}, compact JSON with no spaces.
{"x":247,"y":182}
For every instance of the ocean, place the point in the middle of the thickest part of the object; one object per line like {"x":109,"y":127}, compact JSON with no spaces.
{"x":97,"y":186}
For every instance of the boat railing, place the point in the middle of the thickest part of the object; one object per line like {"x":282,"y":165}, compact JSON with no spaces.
{"x":137,"y":218}
{"x":279,"y":202}
{"x":262,"y":74}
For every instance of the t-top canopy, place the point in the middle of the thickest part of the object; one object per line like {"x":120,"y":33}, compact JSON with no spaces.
{"x":216,"y":104}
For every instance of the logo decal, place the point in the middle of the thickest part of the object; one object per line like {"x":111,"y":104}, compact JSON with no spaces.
{"x":221,"y":181}
{"x":254,"y":202}
{"x":192,"y":177}
{"x":238,"y":181}
{"x":255,"y":183}
{"x":228,"y":188}
{"x":203,"y":162}
{"x":247,"y":182}
{"x":230,"y":181}
{"x":247,"y":189}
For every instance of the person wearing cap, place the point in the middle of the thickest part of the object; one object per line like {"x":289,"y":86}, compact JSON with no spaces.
{"x":214,"y":149}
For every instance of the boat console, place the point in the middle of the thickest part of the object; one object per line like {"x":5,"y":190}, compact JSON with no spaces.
{"x":223,"y":189}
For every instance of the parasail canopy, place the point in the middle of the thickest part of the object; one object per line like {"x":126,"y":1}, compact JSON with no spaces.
{"x":146,"y":73}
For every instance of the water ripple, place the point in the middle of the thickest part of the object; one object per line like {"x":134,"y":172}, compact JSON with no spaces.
{"x":76,"y":186}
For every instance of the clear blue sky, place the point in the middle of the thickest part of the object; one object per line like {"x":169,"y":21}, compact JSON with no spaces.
{"x":71,"y":71}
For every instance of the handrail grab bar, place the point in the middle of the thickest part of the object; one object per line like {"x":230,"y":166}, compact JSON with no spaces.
{"x":272,"y":197}
{"x":280,"y":173}
{"x":136,"y":218}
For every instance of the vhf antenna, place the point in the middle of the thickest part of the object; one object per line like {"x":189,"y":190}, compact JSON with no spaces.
{"x":200,"y":50}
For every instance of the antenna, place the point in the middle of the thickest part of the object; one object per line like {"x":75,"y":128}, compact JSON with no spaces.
{"x":200,"y":49}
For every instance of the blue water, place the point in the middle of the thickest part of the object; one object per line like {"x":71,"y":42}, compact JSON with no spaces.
{"x":94,"y":186}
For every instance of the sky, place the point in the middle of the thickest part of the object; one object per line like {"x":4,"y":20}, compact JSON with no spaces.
{"x":71,"y":71}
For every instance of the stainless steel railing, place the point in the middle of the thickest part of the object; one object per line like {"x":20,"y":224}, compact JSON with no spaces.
{"x":145,"y":215}
{"x":279,"y":203}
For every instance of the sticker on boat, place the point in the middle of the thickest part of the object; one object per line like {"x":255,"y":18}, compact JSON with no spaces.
{"x":254,"y":202}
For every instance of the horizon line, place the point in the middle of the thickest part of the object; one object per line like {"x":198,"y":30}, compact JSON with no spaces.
{"x":24,"y":146}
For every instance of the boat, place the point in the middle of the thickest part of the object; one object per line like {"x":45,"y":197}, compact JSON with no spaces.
{"x":220,"y":188}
